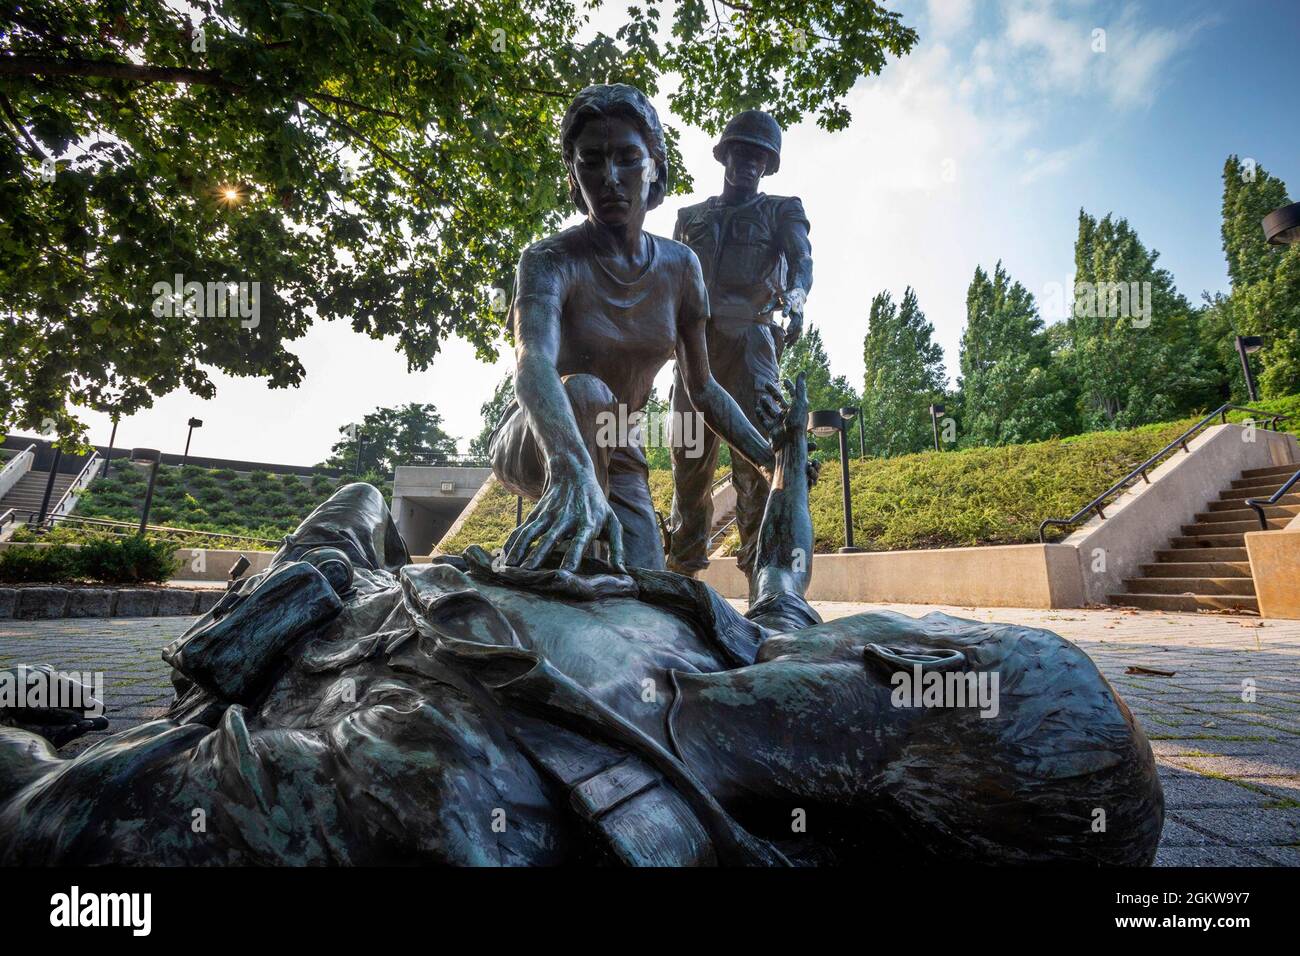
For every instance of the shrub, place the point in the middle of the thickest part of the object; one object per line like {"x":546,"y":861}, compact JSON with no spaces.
{"x":128,"y":560}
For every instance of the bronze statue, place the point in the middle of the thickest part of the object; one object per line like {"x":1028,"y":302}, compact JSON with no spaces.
{"x":756,"y":257}
{"x":598,"y":310}
{"x":346,"y":707}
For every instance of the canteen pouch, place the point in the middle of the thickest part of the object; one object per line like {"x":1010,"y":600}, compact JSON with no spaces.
{"x":236,"y":655}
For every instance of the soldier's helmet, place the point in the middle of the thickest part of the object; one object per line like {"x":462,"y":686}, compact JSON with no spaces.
{"x":757,"y":128}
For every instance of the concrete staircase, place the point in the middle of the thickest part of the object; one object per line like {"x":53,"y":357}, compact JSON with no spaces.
{"x":25,"y":497}
{"x":1206,"y":567}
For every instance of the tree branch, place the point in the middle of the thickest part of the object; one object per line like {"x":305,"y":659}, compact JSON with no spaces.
{"x":112,"y":70}
{"x":31,"y":143}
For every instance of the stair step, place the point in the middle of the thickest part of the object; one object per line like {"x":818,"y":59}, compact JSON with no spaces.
{"x":1180,"y":555}
{"x":1249,"y":491}
{"x":1275,"y":480}
{"x":1281,"y":471}
{"x":1197,"y":569}
{"x":1235,"y":504}
{"x":1248,"y":514}
{"x":1216,"y":528}
{"x":1187,"y":602}
{"x":1241,"y":587}
{"x":1237,"y":540}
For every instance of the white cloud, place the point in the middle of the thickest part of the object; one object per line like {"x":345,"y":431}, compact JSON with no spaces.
{"x":949,"y":17}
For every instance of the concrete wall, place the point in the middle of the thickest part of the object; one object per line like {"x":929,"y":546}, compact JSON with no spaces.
{"x":1144,"y":518}
{"x":196,"y":564}
{"x":1017,"y":575}
{"x":422,"y":510}
{"x":1275,"y":566}
{"x":15,"y":467}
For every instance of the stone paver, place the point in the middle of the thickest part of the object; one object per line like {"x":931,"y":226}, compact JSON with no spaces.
{"x":137,"y":683}
{"x":1230,"y":766}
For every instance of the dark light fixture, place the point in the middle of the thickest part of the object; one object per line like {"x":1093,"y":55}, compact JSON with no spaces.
{"x":153,"y":458}
{"x":824,"y":423}
{"x":1282,"y":226}
{"x":194,"y":423}
{"x":935,"y":412}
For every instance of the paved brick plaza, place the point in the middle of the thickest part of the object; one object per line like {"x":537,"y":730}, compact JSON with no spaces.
{"x":1231,"y":769}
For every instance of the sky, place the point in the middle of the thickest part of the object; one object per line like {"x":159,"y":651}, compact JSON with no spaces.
{"x":982,"y":144}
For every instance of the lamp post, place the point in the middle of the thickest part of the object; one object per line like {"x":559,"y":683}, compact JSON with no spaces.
{"x":151,"y":457}
{"x":1245,"y":345}
{"x":823,"y":424}
{"x":935,"y":412}
{"x":848,"y":413}
{"x":108,"y":455}
{"x":361,"y":443}
{"x":49,"y":487}
{"x":194,"y":423}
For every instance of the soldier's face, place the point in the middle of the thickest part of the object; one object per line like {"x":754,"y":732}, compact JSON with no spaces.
{"x":613,"y":169}
{"x":746,"y":165}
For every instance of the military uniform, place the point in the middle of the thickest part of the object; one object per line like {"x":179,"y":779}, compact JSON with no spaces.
{"x":741,"y":252}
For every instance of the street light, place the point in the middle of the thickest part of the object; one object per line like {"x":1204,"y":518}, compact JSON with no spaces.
{"x":935,"y":412}
{"x":108,"y":456}
{"x":1245,"y":345}
{"x":1282,"y":226}
{"x":823,"y":424}
{"x":848,"y":413}
{"x":151,"y":457}
{"x":194,"y":423}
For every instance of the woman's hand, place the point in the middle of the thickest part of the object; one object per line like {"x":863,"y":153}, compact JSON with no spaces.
{"x":572,"y":506}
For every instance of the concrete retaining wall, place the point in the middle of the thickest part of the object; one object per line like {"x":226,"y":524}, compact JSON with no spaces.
{"x":46,"y":603}
{"x":1144,"y":518}
{"x":1275,"y":566}
{"x":1017,"y":575}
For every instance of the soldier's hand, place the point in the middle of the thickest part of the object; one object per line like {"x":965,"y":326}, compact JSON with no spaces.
{"x":794,"y":329}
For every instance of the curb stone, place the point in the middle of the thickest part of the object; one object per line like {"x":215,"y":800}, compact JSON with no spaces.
{"x":50,"y":603}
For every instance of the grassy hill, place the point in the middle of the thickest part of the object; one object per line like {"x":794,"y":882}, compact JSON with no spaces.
{"x":953,"y":499}
{"x":250,"y":505}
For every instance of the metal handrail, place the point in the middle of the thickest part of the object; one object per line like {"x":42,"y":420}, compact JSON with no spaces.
{"x":109,"y":523}
{"x":1095,"y":505}
{"x":13,"y":462}
{"x":1259,"y":505}
{"x":721,"y":532}
{"x":718,"y":483}
{"x":449,"y":461}
{"x":84,"y":477}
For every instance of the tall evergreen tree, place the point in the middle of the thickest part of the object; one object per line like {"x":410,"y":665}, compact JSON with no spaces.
{"x":1137,"y":357}
{"x":1010,"y":389}
{"x":1265,"y":299}
{"x":825,"y":390}
{"x":904,"y":375}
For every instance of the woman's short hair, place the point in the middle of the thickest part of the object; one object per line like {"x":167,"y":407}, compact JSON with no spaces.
{"x":615,"y":100}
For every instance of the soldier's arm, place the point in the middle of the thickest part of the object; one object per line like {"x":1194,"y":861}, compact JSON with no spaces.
{"x":796,"y":246}
{"x":720,"y":411}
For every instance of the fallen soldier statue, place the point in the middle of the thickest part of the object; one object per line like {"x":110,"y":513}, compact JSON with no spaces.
{"x":348,"y":707}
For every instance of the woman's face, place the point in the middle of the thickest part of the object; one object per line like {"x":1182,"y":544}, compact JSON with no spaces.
{"x":614,"y":170}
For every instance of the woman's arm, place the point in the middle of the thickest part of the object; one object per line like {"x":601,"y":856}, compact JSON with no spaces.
{"x":573,"y":504}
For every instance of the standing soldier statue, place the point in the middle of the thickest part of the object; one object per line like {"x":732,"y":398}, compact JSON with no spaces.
{"x":755,"y":255}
